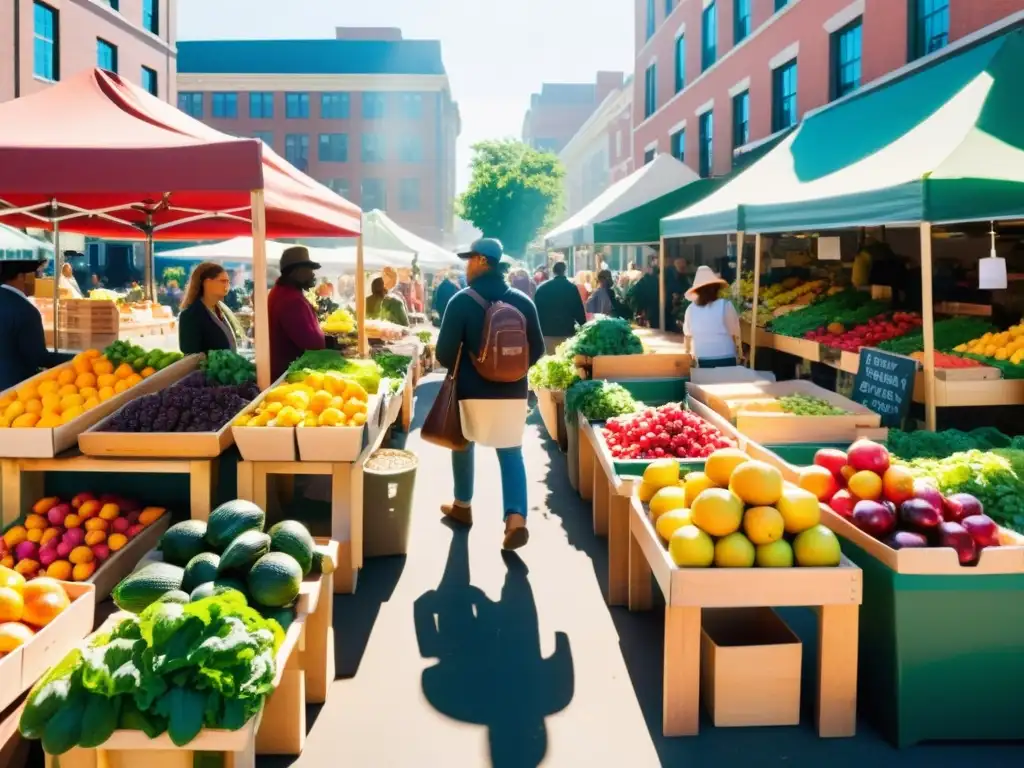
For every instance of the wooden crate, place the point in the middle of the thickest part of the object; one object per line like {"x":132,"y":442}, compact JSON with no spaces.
{"x":22,"y":667}
{"x":808,"y":350}
{"x":87,"y":315}
{"x":47,"y":443}
{"x":339,"y":443}
{"x":653,"y":365}
{"x":750,"y":668}
{"x":265,"y":443}
{"x":551,"y":404}
{"x":834,"y":592}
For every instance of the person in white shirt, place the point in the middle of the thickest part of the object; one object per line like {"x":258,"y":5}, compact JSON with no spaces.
{"x":711,"y":327}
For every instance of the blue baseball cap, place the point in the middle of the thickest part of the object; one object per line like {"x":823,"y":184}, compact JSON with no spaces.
{"x":488,"y":247}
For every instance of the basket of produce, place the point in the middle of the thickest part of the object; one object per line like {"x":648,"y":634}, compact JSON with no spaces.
{"x":190,"y":419}
{"x":396,"y":370}
{"x":43,"y":416}
{"x":549,"y":378}
{"x":91,"y":539}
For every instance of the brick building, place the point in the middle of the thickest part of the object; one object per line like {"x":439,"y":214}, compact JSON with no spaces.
{"x":560,"y":109}
{"x":600,"y":152}
{"x":56,"y":39}
{"x":716,"y":75}
{"x":368,"y":113}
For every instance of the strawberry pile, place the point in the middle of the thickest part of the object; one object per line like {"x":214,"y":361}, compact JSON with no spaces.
{"x":666,"y":431}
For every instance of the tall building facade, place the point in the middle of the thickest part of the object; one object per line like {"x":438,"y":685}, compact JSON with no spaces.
{"x":57,"y":39}
{"x":560,"y":109}
{"x":369,"y":114}
{"x":713,"y":76}
{"x":600,"y":152}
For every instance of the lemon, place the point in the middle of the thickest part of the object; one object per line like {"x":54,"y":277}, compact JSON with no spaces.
{"x":667,"y":500}
{"x":671,"y":522}
{"x":690,"y":547}
{"x":763,"y":525}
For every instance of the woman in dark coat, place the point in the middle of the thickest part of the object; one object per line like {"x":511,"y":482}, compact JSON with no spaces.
{"x":205,"y":322}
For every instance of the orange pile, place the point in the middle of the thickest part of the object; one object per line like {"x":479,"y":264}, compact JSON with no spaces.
{"x":27,"y":607}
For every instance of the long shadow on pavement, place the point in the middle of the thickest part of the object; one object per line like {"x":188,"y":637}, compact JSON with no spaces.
{"x":489,"y":668}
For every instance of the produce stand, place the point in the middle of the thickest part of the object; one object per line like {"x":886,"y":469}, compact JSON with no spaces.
{"x":835,"y":594}
{"x":551,"y":404}
{"x":14,"y":750}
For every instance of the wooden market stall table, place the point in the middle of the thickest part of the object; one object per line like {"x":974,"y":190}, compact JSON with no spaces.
{"x":663,"y":357}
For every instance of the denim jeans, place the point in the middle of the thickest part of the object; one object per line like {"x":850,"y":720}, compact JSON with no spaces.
{"x":513,"y":477}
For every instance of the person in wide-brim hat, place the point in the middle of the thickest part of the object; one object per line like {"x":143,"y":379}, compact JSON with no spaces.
{"x":294,"y":327}
{"x":711,"y":326}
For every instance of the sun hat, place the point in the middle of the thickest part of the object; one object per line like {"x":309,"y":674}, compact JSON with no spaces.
{"x":705,"y":276}
{"x":296,"y":256}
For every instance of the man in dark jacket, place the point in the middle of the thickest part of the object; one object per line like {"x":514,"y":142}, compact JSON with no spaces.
{"x":559,"y":308}
{"x":444,"y":292}
{"x":294,"y":328}
{"x":23,"y":351}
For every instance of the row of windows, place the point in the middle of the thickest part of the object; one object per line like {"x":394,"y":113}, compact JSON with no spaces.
{"x":333,"y":148}
{"x":334,"y":105}
{"x":929,"y":32}
{"x":374,"y":193}
{"x":150,"y":14}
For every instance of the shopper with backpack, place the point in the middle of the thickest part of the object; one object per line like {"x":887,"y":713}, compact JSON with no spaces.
{"x":489,"y":337}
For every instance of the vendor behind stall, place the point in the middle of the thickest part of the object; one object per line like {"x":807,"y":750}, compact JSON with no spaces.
{"x":23,"y":351}
{"x":205,"y":322}
{"x":293,"y":325}
{"x":380,"y":305}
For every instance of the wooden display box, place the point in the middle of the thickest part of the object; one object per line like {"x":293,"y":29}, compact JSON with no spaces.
{"x":835,"y":593}
{"x":551,"y":404}
{"x":652,"y":365}
{"x":22,"y":667}
{"x":808,"y":350}
{"x":196,"y":445}
{"x":265,"y":443}
{"x":338,"y":443}
{"x":46,"y":443}
{"x":750,"y":668}
{"x":88,"y":315}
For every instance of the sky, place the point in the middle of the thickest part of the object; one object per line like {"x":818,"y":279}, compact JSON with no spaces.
{"x":497,"y":52}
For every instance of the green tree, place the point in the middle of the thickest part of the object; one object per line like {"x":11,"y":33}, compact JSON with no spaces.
{"x":513,"y":193}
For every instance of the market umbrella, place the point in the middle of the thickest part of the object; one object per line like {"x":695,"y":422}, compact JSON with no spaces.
{"x":240,"y":249}
{"x":380,"y":231}
{"x":16,"y":245}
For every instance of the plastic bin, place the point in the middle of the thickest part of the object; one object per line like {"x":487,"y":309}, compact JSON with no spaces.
{"x":389,"y":483}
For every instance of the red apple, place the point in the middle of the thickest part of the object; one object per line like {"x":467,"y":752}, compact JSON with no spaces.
{"x":874,"y":518}
{"x":919,"y":515}
{"x":868,"y":455}
{"x":81,"y":498}
{"x":983,"y":530}
{"x":831,"y":459}
{"x":907,"y":540}
{"x":898,"y":484}
{"x":956,"y":536}
{"x":928,"y":492}
{"x":842,"y":503}
{"x":960,"y":505}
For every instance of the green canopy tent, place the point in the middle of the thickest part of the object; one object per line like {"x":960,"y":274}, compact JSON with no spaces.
{"x":941,"y":144}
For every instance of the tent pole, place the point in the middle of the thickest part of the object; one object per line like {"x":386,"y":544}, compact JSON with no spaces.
{"x":757,"y":290}
{"x":261,"y":319}
{"x":571,"y":253}
{"x":364,"y":348}
{"x":928,"y":323}
{"x":661,"y":285}
{"x":736,"y":290}
{"x":58,"y":265}
{"x":150,"y":266}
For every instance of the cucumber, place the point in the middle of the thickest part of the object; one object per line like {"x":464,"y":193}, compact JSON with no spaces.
{"x":183,"y":541}
{"x":275,"y":580}
{"x":242,"y":553}
{"x":293,"y":538}
{"x":322,"y":563}
{"x":177,"y":596}
{"x":145,"y":586}
{"x":211,"y":588}
{"x":200,"y":569}
{"x":230,"y":520}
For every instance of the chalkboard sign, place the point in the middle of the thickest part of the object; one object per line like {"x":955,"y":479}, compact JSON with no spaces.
{"x":885,"y":384}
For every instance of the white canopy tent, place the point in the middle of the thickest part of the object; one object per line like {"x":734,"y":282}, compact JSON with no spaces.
{"x":15,"y":244}
{"x":381,"y":232}
{"x":240,"y":249}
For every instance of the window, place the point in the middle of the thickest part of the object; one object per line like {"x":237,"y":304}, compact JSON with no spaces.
{"x":412,"y":105}
{"x":296,"y":106}
{"x":149,"y":81}
{"x":106,"y":55}
{"x":191,"y":103}
{"x":669,"y":6}
{"x":678,"y":148}
{"x":409,"y":194}
{"x":373,"y":148}
{"x":410,"y":149}
{"x":114,"y":4}
{"x":225,"y":105}
{"x":373,"y":105}
{"x":334,"y":106}
{"x":784,"y":108}
{"x":650,"y":91}
{"x":706,"y":136}
{"x":741,"y":21}
{"x":740,"y":119}
{"x":929,"y":27}
{"x":340,"y":186}
{"x":708,"y":37}
{"x":680,"y":63}
{"x":296,"y":150}
{"x":151,"y":16}
{"x":333,"y":147}
{"x":46,"y":48}
{"x":261,"y":105}
{"x":652,"y":20}
{"x":780,"y":4}
{"x":374,"y":194}
{"x":846,"y":59}
{"x":649,"y":156}
{"x":267,"y":137}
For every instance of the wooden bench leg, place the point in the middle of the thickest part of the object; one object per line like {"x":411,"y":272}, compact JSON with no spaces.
{"x":640,"y":598}
{"x":618,"y":547}
{"x":599,"y":493}
{"x":202,"y":479}
{"x":681,"y":682}
{"x":837,"y":670}
{"x":245,"y":480}
{"x":318,"y":657}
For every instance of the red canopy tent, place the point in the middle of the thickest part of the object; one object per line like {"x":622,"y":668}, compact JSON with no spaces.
{"x":99,"y":156}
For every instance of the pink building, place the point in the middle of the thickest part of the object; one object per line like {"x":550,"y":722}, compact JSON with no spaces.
{"x":56,"y":39}
{"x":713,"y":76}
{"x":560,"y":109}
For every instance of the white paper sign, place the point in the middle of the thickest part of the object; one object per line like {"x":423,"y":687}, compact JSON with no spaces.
{"x":828,"y":249}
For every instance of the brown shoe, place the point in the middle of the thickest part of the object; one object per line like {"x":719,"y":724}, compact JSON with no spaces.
{"x":516,"y":534}
{"x":458,"y":513}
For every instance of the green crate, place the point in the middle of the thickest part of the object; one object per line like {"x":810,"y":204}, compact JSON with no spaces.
{"x":941,"y":656}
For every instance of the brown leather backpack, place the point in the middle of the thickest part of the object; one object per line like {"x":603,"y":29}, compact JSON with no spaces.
{"x":505,"y":351}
